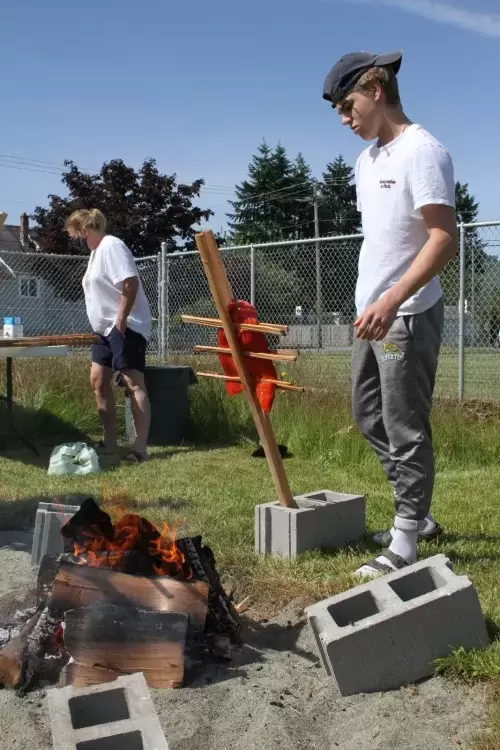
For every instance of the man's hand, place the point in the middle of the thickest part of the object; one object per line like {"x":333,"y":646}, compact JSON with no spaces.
{"x":375,"y":321}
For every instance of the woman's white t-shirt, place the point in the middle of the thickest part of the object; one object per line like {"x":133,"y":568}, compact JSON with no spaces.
{"x":392,"y":185}
{"x":108,"y":267}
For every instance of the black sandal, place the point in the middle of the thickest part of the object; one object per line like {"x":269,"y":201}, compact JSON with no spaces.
{"x":379,"y":568}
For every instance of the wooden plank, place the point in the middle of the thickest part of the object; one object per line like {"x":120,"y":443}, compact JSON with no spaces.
{"x":222,"y":295}
{"x":83,"y":675}
{"x":104,"y":639}
{"x":272,"y":355}
{"x":75,"y":339}
{"x":83,"y":585}
{"x":267,"y":328}
{"x":281,"y":384}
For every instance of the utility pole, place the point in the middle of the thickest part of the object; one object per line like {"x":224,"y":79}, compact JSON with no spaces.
{"x":318,"y":264}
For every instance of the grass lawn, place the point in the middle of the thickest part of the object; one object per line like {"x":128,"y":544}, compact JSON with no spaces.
{"x":211,"y":485}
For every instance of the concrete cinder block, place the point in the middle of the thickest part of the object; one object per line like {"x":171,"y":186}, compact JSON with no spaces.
{"x":323,"y":520}
{"x":388,"y":632}
{"x":118,"y":715}
{"x":50,"y":518}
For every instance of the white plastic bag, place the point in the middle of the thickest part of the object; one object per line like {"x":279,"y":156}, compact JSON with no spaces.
{"x":76,"y":459}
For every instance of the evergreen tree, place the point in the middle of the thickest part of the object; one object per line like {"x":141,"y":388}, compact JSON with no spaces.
{"x":337,"y":193}
{"x":302,"y":200}
{"x":264,"y":210}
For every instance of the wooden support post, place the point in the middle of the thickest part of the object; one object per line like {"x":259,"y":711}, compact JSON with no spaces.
{"x":222,"y":294}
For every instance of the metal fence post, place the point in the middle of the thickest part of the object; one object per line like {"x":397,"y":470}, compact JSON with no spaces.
{"x":318,"y":266}
{"x":252,"y":275}
{"x":167,"y":307}
{"x":461,"y":317}
{"x":159,"y":334}
{"x":162,"y":299}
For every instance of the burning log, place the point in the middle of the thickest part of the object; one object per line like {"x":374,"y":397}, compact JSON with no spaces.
{"x":12,"y":655}
{"x":121,"y":598}
{"x":83,"y":585}
{"x":132,"y":545}
{"x":105,"y":641}
{"x":21,"y":660}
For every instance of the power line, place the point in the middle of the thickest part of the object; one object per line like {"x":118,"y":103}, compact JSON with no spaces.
{"x":24,"y":163}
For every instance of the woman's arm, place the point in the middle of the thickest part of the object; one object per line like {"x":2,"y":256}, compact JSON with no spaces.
{"x":130,"y":288}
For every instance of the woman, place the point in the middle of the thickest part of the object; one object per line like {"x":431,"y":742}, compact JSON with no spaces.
{"x":119,"y":314}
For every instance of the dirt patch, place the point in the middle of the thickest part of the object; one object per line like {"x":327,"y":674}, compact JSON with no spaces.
{"x":274,"y":694}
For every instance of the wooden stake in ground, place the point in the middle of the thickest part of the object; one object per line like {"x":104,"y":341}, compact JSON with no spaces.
{"x":222,"y":294}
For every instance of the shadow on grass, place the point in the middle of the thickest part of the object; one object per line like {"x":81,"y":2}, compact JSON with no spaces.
{"x":487,"y":547}
{"x":163,"y":503}
{"x":19,"y":514}
{"x":493,"y":628}
{"x":166,"y":453}
{"x":35,"y":430}
{"x":454,"y":538}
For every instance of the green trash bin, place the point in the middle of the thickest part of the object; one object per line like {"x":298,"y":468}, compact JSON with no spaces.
{"x":167,"y":387}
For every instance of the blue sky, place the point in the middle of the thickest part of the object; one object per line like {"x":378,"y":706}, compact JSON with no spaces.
{"x":197,"y":85}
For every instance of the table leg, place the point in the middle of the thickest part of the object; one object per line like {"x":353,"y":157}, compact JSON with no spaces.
{"x":8,"y":396}
{"x":9,"y":399}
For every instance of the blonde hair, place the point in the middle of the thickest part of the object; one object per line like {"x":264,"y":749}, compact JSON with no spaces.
{"x":85,"y":219}
{"x":388,"y":82}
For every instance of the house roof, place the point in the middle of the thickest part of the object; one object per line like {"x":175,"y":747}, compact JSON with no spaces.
{"x":10,"y":240}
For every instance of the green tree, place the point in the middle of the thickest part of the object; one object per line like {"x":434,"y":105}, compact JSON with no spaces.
{"x":338,"y":214}
{"x":266,"y":207}
{"x":144,"y":208}
{"x":302,"y":200}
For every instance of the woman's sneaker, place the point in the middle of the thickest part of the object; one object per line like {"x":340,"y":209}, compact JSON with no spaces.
{"x":384,"y":539}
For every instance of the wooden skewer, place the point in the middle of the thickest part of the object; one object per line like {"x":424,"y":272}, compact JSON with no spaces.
{"x":281,"y":384}
{"x":217,"y":323}
{"x":272,"y":355}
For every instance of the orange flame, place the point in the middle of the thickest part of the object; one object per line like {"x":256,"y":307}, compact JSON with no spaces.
{"x":165,"y":553}
{"x":132,"y":533}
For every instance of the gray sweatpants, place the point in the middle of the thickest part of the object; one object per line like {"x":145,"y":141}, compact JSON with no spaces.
{"x":392,"y":388}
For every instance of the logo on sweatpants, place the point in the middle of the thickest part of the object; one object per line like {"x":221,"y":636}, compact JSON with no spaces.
{"x":391,"y":352}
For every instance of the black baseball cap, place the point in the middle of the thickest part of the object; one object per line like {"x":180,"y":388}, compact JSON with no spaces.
{"x":348,"y":70}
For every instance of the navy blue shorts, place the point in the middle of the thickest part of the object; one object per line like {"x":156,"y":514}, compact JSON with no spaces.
{"x":121,"y":352}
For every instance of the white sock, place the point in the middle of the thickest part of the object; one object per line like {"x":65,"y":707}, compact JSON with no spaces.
{"x":404,"y":544}
{"x":430,"y":524}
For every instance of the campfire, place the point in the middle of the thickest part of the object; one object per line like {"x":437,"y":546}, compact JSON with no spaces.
{"x":122,"y":598}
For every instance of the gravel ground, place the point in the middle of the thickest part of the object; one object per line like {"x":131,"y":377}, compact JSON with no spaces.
{"x":274,"y":694}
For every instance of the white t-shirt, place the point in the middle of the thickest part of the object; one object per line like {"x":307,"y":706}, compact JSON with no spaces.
{"x":392,"y":184}
{"x":109,"y":265}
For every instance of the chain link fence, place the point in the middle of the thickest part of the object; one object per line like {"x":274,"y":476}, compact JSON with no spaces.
{"x":46,"y":292}
{"x":479,"y":375}
{"x":307,"y":285}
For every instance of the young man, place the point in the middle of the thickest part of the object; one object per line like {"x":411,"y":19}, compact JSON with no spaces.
{"x":406,"y":194}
